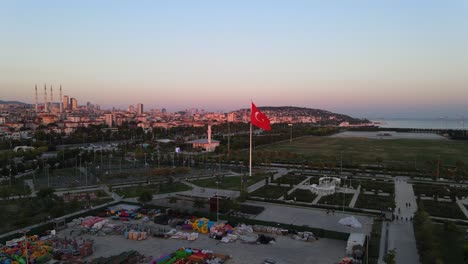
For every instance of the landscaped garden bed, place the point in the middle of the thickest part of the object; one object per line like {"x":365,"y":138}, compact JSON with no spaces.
{"x":290,"y":179}
{"x":136,"y":191}
{"x":270,"y":192}
{"x":443,"y":209}
{"x":430,"y":190}
{"x":336,"y":199}
{"x":375,"y":202}
{"x":302,"y":196}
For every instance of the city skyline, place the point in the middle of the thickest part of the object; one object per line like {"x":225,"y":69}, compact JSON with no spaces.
{"x":364,"y":59}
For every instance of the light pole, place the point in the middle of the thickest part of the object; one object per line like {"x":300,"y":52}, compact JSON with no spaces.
{"x":341,"y":162}
{"x":290,"y":129}
{"x":217,"y":201}
{"x":26,"y":244}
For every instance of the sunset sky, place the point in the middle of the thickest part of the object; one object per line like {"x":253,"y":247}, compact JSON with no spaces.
{"x":363,"y":58}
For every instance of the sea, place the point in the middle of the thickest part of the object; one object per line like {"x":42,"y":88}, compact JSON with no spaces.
{"x":429,"y":123}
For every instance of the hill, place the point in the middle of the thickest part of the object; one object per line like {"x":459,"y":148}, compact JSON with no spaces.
{"x":12,"y":102}
{"x":284,"y":114}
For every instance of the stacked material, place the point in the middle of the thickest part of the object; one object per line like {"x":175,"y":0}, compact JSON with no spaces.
{"x":270,"y":230}
{"x":223,"y":232}
{"x":135,"y":235}
{"x":26,"y":249}
{"x":40,"y":250}
{"x":91,"y":221}
{"x":189,"y":256}
{"x":174,"y":234}
{"x":201,"y":225}
{"x":125,"y":215}
{"x":304,"y":236}
{"x":129,"y":257}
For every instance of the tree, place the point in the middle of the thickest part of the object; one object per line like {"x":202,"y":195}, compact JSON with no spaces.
{"x":45,"y":192}
{"x":145,"y":197}
{"x":389,"y":258}
{"x":173,"y":199}
{"x":198,"y":203}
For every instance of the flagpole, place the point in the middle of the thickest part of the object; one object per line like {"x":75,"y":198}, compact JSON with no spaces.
{"x":250,"y":161}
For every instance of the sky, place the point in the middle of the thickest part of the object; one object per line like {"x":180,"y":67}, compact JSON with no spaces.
{"x":363,"y":58}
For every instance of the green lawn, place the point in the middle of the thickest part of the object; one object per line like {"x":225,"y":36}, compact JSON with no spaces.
{"x":336,"y":199}
{"x":303,"y":195}
{"x":430,"y":190}
{"x":231,"y":183}
{"x":443,"y":209}
{"x":290,"y":178}
{"x":153,"y":188}
{"x":394,"y":153}
{"x":270,"y":192}
{"x":450,"y":244}
{"x":375,"y":202}
{"x":383,"y":186}
{"x":20,"y":213}
{"x":18,"y":188}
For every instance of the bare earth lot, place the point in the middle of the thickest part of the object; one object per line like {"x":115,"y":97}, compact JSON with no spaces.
{"x":285,"y":249}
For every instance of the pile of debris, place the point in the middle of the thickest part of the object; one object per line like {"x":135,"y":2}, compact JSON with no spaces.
{"x":35,"y":249}
{"x":189,"y":255}
{"x":128,"y":257}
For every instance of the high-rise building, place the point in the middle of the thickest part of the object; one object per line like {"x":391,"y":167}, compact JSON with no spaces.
{"x":61,"y":98}
{"x":131,"y":109}
{"x":109,"y":119}
{"x":74,"y":103}
{"x":35,"y":99}
{"x":231,"y":117}
{"x":66,"y":102}
{"x":140,"y":109}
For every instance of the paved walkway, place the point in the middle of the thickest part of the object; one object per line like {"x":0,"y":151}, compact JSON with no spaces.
{"x":355,"y":197}
{"x":315,"y":201}
{"x":30,"y":183}
{"x":299,"y":185}
{"x":313,"y":217}
{"x":401,"y":233}
{"x":462,"y":207}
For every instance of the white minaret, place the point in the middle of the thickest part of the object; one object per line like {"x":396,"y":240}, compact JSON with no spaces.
{"x":60,"y":99}
{"x":209,"y":137}
{"x":46,"y":109}
{"x":35,"y":98}
{"x":51,"y":99}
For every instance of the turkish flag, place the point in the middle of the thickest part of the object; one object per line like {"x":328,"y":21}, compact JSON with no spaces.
{"x":259,"y":119}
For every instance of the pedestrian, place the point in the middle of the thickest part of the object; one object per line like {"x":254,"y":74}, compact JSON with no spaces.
{"x":399,"y":210}
{"x":406,"y":219}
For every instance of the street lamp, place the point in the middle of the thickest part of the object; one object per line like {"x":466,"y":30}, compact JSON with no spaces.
{"x":217,"y":201}
{"x":26,"y":244}
{"x":341,"y":162}
{"x":290,"y":126}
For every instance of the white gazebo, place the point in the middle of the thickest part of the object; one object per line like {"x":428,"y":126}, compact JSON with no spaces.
{"x":326,"y":186}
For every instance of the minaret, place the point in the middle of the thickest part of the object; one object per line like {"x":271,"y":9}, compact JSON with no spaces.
{"x":45,"y":99}
{"x":60,"y":99}
{"x":51,"y":99}
{"x":35,"y":98}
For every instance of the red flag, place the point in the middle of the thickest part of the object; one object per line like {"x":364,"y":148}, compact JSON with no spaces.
{"x":259,"y":119}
